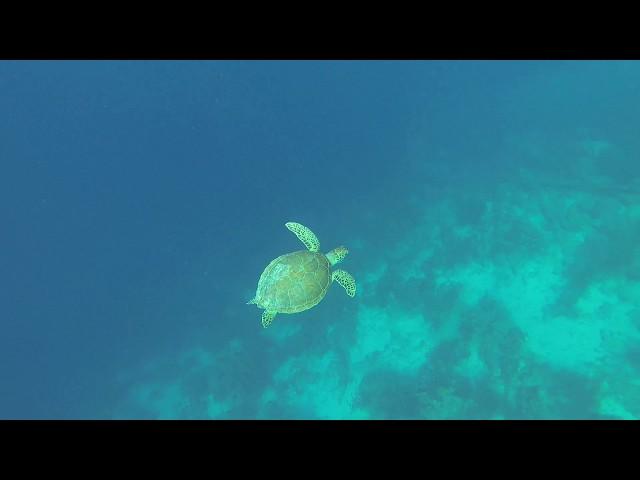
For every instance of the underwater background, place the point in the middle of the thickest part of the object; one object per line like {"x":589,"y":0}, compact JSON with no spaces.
{"x":491,"y":210}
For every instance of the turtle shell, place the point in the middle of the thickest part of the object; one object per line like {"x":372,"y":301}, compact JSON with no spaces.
{"x":294,"y":282}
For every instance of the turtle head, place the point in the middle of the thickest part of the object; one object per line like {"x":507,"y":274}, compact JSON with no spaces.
{"x":337,"y":254}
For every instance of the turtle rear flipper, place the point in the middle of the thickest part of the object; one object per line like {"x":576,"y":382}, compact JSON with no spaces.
{"x":305,"y":235}
{"x":267,"y":317}
{"x":346,"y":280}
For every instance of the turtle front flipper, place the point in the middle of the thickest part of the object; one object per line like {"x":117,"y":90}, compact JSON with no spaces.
{"x":267,"y":317}
{"x":305,"y":235}
{"x":346,"y":280}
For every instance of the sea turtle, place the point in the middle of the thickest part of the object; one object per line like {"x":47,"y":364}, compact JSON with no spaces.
{"x":298,"y":281}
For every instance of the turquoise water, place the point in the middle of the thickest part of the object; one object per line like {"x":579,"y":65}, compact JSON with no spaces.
{"x":491,"y":211}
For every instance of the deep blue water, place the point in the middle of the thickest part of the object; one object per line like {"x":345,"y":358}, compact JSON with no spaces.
{"x":491,"y":209}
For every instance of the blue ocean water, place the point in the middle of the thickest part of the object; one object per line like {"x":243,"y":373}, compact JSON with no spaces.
{"x":491,"y":210}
